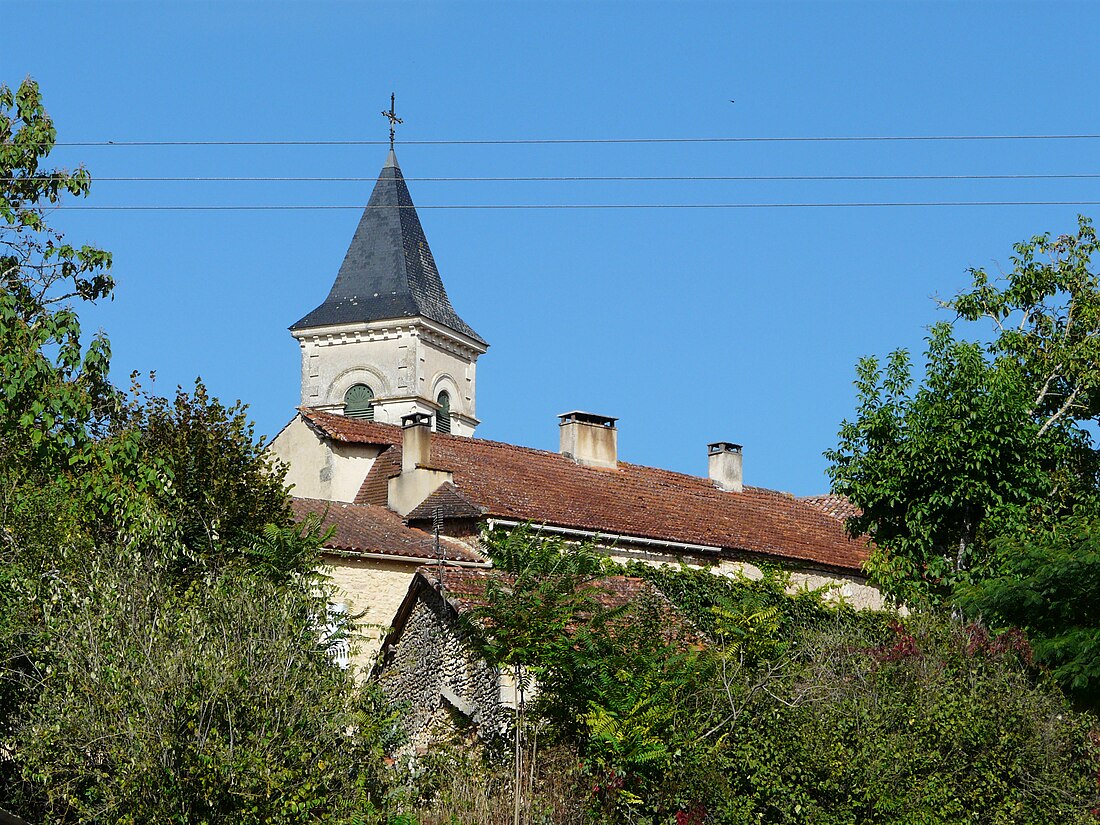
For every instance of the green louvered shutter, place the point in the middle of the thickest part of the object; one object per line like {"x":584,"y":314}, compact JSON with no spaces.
{"x":443,"y":417}
{"x":357,"y":402}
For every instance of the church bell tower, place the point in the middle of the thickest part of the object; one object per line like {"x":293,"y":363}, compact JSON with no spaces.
{"x":386,"y":342}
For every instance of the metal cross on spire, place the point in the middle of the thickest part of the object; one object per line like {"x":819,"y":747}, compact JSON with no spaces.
{"x":392,"y":117}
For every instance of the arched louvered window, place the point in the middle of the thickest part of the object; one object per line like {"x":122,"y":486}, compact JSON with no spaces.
{"x":443,"y":416}
{"x":357,"y":402}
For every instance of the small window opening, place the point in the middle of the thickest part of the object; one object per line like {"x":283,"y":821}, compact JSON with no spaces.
{"x":443,"y":416}
{"x":357,"y":402}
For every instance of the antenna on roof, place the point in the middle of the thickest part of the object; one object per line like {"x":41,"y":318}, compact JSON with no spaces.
{"x":392,"y":117}
{"x":436,"y":519}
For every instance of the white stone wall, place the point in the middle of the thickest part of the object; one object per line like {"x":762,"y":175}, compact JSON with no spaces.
{"x":859,"y":595}
{"x":402,"y":362}
{"x":853,"y":590}
{"x":374,"y":587}
{"x":319,"y":468}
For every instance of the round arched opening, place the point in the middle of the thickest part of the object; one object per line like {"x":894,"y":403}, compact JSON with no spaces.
{"x":357,"y":402}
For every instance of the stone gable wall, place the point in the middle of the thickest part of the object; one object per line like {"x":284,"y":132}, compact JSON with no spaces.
{"x":433,"y":670}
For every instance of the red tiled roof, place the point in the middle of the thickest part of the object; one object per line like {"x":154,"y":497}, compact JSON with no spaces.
{"x":839,"y":507}
{"x":524,"y":484}
{"x":369,"y":529}
{"x":351,"y":430}
{"x":465,"y":588}
{"x":449,"y":502}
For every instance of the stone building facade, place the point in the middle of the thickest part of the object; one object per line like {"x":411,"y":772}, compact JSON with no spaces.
{"x":430,"y":666}
{"x":431,"y":669}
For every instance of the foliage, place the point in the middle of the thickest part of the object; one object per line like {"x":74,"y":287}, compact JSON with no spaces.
{"x":991,"y":443}
{"x":216,"y":703}
{"x":1048,"y":588}
{"x":224,"y":484}
{"x":52,"y":390}
{"x":458,"y":783}
{"x":940,"y":724}
{"x":529,"y":617}
{"x":787,"y":708}
{"x":160,"y":649}
{"x":1047,"y":320}
{"x":936,"y":470}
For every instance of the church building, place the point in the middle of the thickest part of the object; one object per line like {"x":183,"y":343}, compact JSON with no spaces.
{"x":383,"y":449}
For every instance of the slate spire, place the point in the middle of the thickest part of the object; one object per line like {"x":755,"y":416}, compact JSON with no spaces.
{"x":388,"y":272}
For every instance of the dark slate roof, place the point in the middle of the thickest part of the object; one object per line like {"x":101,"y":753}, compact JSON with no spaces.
{"x":389,"y":271}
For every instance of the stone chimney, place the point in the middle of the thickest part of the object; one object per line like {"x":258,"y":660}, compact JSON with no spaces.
{"x":724,"y":466}
{"x":416,"y":437}
{"x":589,"y":439}
{"x":418,"y":478}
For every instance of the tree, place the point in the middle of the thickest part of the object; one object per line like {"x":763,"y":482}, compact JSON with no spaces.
{"x":935,"y":470}
{"x":225,"y":486}
{"x":1046,"y":314}
{"x":932,"y":722}
{"x":160,"y":648}
{"x":52,"y":390}
{"x":991,"y":443}
{"x":1047,"y":587}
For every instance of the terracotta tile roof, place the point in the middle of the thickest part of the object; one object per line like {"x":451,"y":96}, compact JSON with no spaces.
{"x":464,"y":589}
{"x":351,"y":430}
{"x":523,"y":484}
{"x":449,"y":502}
{"x":377,"y":530}
{"x":375,"y":488}
{"x":839,"y":507}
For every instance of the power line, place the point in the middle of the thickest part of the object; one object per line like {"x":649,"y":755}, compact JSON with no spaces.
{"x":573,"y":178}
{"x":574,"y":141}
{"x":793,"y":205}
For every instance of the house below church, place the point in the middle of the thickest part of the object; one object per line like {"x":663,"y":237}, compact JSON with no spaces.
{"x":383,"y":449}
{"x":431,"y":665}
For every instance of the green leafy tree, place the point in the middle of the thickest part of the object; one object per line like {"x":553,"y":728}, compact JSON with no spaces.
{"x":53,"y":391}
{"x":161,"y":653}
{"x":224,"y":485}
{"x":1046,"y":317}
{"x":992,"y":441}
{"x":937,"y":468}
{"x":1048,"y":588}
{"x":212,"y":704}
{"x":933,"y":722}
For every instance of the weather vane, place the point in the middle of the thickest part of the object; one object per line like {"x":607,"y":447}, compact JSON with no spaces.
{"x":392,"y":117}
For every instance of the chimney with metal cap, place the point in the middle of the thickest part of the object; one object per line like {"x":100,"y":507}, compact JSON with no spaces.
{"x":589,"y":439}
{"x":724,"y":466}
{"x":416,"y":437}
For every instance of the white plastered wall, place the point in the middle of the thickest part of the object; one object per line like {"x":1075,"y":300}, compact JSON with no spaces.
{"x":374,"y":587}
{"x":319,"y":468}
{"x":853,"y":591}
{"x":404,"y":363}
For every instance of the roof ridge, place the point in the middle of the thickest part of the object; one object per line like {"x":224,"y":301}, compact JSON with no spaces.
{"x":703,"y":481}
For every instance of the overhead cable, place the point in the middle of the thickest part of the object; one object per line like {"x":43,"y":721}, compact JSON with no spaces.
{"x":573,"y":178}
{"x":561,"y":141}
{"x":793,"y":205}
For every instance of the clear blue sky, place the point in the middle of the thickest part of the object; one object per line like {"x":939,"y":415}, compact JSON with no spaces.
{"x":689,"y":325}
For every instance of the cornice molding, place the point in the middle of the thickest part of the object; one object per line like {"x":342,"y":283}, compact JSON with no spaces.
{"x":454,"y":342}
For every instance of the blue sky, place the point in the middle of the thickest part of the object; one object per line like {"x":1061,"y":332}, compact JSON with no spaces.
{"x":689,"y":325}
